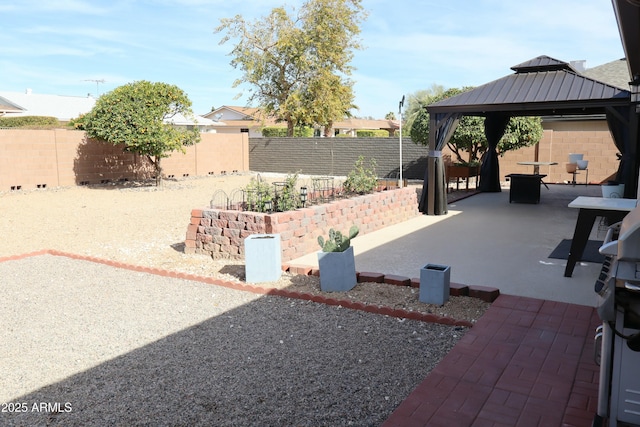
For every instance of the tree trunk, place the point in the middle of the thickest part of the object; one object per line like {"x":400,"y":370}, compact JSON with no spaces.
{"x":155,"y":161}
{"x":158,"y":172}
{"x":328,"y":130}
{"x":290,"y":128}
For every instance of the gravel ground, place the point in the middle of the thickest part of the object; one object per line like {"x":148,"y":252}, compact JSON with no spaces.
{"x":86,"y":344}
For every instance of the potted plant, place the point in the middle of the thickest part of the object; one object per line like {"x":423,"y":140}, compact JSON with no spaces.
{"x":337,"y":262}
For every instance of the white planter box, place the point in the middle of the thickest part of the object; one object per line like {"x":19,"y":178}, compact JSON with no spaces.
{"x":435,"y":281}
{"x":263,"y":258}
{"x":337,"y":271}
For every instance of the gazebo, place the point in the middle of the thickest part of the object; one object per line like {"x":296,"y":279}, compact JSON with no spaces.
{"x":542,"y":86}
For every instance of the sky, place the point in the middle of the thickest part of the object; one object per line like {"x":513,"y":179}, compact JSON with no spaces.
{"x":80,"y":47}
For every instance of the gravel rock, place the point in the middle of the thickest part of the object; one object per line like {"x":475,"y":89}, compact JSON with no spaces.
{"x":113,"y":347}
{"x":85,"y":344}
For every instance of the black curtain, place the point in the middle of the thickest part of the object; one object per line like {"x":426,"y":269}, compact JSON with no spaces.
{"x":494,"y":126}
{"x":621,"y":121}
{"x":433,"y":200}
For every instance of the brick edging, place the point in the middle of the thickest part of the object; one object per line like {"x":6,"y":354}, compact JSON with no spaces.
{"x":484,"y":293}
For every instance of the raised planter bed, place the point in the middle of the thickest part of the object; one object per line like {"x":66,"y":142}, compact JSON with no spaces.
{"x":463,"y":172}
{"x":221,"y":233}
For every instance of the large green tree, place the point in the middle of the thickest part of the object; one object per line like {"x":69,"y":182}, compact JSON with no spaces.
{"x":297,"y":65}
{"x":468,"y":142}
{"x":138,"y":117}
{"x":415,"y":103}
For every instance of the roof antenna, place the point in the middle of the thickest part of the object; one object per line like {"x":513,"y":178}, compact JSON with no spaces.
{"x":97,"y":83}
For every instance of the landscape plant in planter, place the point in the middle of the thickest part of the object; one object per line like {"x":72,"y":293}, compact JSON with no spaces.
{"x":337,"y":262}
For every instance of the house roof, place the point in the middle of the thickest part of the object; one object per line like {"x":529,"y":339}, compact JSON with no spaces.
{"x":540,"y":86}
{"x":248,"y":117}
{"x":353,"y":123}
{"x":64,"y":108}
{"x":181,"y":120}
{"x":615,"y":73}
{"x":252,"y":117}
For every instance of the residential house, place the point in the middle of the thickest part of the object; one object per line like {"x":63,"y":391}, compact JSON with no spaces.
{"x":233,"y":119}
{"x":27,"y":103}
{"x":66,"y":108}
{"x":352,"y":125}
{"x":615,"y":73}
{"x":230,"y":119}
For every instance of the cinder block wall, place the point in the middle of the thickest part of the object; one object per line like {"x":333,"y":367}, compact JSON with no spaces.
{"x":589,"y":137}
{"x":336,"y":156}
{"x":221,"y":233}
{"x":29,"y":158}
{"x":61,"y":157}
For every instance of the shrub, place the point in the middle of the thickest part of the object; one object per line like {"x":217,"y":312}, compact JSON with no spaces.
{"x":362,"y":180}
{"x":28,"y":121}
{"x":372,"y":133}
{"x":287,"y":197}
{"x":77,"y":123}
{"x":281,"y":132}
{"x":283,"y":196}
{"x":258,"y":193}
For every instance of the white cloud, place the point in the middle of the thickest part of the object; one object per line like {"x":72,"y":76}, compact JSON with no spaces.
{"x":75,"y":6}
{"x":409,"y":45}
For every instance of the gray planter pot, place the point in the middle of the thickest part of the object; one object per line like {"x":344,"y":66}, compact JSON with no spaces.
{"x":337,"y":271}
{"x":263,"y":258}
{"x":434,"y":284}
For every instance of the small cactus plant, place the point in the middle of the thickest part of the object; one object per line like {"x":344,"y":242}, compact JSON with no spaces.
{"x":337,"y":242}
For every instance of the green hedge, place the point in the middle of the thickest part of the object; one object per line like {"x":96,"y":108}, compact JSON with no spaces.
{"x":372,"y":133}
{"x":28,"y":121}
{"x":280,"y":132}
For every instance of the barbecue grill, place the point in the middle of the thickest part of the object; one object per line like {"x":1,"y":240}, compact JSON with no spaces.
{"x":618,"y":338}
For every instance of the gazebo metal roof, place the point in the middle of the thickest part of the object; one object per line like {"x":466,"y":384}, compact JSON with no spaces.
{"x":540,"y":86}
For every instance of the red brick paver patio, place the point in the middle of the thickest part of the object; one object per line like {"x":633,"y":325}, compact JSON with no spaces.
{"x":527,"y":362}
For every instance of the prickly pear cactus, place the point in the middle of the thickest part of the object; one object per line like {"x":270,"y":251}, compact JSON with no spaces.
{"x":337,"y":242}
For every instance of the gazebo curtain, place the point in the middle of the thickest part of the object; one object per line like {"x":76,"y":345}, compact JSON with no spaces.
{"x":618,"y":119}
{"x":433,"y":200}
{"x":494,"y":128}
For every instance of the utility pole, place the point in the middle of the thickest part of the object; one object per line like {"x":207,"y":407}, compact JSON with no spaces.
{"x":400,"y":183}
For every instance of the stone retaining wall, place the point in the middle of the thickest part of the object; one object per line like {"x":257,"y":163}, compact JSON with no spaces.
{"x":221,"y":233}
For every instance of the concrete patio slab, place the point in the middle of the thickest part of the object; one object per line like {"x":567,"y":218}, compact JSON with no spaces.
{"x":488,"y":241}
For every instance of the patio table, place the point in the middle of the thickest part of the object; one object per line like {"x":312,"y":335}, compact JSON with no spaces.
{"x":590,"y":208}
{"x":536,"y":165}
{"x":536,"y":168}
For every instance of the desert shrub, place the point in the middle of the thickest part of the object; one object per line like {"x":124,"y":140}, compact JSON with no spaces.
{"x":361,"y":179}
